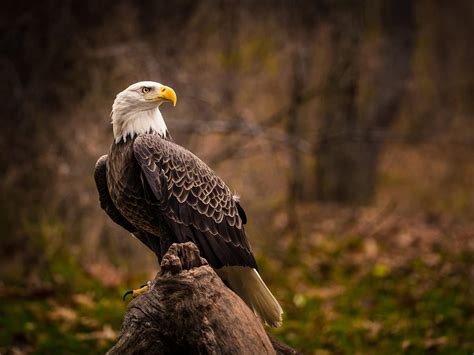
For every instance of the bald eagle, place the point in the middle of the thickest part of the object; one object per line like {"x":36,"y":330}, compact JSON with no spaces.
{"x":163,"y":194}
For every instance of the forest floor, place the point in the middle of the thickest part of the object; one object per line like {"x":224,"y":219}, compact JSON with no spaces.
{"x":362,"y":281}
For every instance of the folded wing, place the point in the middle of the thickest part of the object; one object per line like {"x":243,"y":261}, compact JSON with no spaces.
{"x":197,"y":205}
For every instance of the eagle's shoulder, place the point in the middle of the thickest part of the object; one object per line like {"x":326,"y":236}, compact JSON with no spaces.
{"x":150,"y":148}
{"x":100,"y":174}
{"x":189,"y":180}
{"x":147,"y":145}
{"x":101,"y":162}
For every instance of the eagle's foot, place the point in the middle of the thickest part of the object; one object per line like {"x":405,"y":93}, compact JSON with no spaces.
{"x":138,"y":291}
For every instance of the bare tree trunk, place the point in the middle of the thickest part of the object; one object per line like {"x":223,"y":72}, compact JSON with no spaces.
{"x":295,"y":179}
{"x":336,"y":161}
{"x":293,"y":127}
{"x":360,"y":99}
{"x":189,"y":310}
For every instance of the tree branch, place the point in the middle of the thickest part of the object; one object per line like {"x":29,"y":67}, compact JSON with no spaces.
{"x":189,"y":310}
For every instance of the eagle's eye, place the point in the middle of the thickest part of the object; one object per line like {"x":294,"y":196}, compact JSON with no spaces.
{"x":145,"y":90}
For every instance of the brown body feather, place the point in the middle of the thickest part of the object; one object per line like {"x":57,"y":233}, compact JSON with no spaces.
{"x":164,"y":191}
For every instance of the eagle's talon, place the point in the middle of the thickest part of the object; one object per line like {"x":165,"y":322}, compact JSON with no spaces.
{"x":129,"y":292}
{"x":138,"y":291}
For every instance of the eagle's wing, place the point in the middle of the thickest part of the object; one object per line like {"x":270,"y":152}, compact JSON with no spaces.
{"x":197,"y":205}
{"x":106,"y":203}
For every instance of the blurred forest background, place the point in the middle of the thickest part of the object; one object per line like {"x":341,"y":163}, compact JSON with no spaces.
{"x":347,"y":127}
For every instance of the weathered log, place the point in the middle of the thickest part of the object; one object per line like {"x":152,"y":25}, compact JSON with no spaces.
{"x":189,"y":310}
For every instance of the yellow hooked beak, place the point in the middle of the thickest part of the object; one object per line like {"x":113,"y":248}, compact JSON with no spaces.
{"x":166,"y":93}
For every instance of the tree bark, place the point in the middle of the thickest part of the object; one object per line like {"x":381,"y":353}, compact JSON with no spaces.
{"x":189,"y":310}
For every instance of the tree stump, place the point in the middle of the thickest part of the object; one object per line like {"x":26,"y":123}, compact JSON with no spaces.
{"x":189,"y":310}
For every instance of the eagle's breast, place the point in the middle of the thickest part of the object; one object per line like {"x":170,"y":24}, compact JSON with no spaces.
{"x":127,"y":189}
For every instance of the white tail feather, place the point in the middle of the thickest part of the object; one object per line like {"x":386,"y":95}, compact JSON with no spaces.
{"x":248,"y":284}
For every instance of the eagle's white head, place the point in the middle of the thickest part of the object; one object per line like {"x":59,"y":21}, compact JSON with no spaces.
{"x":136,"y":110}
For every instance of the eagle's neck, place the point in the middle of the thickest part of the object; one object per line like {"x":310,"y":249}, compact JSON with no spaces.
{"x":130,"y":124}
